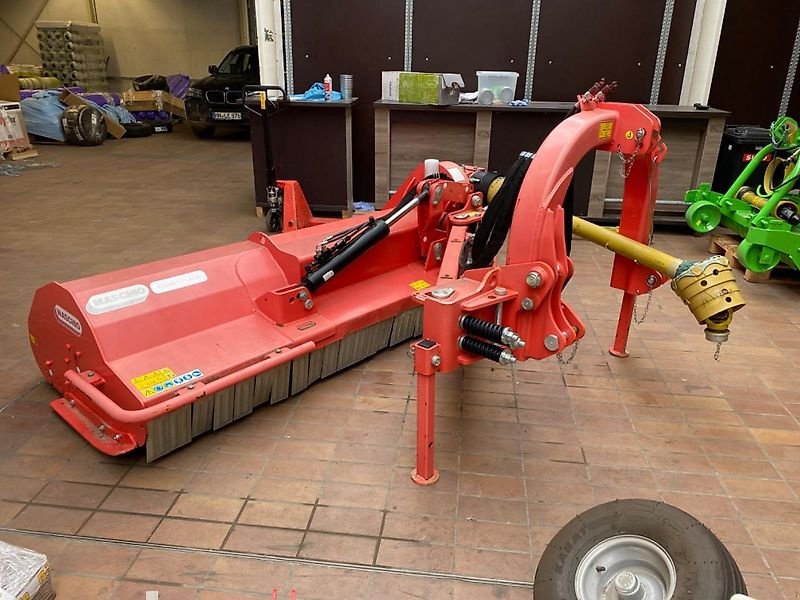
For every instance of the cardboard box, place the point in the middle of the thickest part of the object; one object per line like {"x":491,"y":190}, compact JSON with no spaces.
{"x":12,"y":127}
{"x":24,"y":574}
{"x":113,"y":126}
{"x":9,"y":87}
{"x":153,"y":100}
{"x":421,"y":88}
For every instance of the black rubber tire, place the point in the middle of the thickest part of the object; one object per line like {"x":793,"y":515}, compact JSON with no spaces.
{"x":137,"y":130}
{"x":704,"y":567}
{"x":204,"y":133}
{"x":83,"y":125}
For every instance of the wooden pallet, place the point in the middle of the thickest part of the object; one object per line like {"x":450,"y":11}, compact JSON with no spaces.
{"x":727,"y":246}
{"x":20,"y":153}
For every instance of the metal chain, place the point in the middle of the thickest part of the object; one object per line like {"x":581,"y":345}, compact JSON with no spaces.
{"x":636,"y":318}
{"x":627,"y":162}
{"x":716,"y":352}
{"x":560,"y":356}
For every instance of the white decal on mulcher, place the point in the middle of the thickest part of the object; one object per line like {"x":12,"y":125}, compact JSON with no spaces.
{"x":68,"y":320}
{"x":170,"y":284}
{"x":116,"y":299}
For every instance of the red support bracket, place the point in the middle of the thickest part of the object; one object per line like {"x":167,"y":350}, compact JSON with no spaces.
{"x":426,"y":365}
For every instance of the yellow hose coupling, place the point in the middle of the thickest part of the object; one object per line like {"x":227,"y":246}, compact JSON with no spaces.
{"x":710,"y":291}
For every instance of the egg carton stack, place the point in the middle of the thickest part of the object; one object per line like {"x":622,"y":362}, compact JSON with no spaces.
{"x":73,"y":52}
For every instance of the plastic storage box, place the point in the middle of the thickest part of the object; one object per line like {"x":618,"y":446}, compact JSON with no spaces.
{"x":502,"y":84}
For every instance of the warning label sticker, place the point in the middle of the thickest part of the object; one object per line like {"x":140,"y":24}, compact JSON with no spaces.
{"x":606,"y":127}
{"x":420,"y":284}
{"x":163,"y":380}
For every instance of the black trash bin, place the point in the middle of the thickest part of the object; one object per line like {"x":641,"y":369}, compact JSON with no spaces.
{"x":740,"y":143}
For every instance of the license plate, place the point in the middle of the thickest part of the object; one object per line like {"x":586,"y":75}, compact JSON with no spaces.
{"x":161,"y":129}
{"x":226,"y":116}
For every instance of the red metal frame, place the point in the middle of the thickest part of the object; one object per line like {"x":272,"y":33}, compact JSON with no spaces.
{"x":226,"y":314}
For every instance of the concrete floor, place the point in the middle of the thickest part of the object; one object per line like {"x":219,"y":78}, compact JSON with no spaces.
{"x":314,"y":494}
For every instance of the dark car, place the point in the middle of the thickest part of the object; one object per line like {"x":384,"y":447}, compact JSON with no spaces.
{"x":216,"y":100}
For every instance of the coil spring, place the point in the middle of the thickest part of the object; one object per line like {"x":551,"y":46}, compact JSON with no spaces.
{"x":485,"y":329}
{"x":480,"y":348}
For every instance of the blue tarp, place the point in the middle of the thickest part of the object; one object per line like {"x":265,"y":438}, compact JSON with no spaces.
{"x":42,"y":113}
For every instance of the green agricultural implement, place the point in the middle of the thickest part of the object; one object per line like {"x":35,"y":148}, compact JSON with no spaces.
{"x":767,"y":219}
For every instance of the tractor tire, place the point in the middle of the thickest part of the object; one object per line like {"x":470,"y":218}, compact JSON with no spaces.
{"x":84,"y":125}
{"x":670,"y":553}
{"x":204,"y":133}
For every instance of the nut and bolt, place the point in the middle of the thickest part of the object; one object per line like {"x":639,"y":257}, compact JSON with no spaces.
{"x":533,"y":279}
{"x":506,"y":358}
{"x":651,"y":281}
{"x":475,"y":200}
{"x":527,"y":304}
{"x":278,"y":350}
{"x":101,"y":428}
{"x":117,"y":437}
{"x":500,"y":291}
{"x":511,"y":338}
{"x":436,"y":360}
{"x":90,"y":373}
{"x":303,"y":295}
{"x":309,"y":304}
{"x":551,"y":342}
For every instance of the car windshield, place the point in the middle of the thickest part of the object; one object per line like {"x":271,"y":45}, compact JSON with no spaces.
{"x":239,"y":62}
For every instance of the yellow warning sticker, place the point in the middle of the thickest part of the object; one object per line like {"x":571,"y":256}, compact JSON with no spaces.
{"x":148,"y":381}
{"x":606,"y":127}
{"x":420,"y":284}
{"x":629,"y":135}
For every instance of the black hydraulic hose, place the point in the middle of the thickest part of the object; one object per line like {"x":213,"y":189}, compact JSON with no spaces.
{"x":325,"y":272}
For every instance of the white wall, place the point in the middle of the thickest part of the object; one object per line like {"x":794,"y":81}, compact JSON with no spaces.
{"x":172,"y":36}
{"x":141,"y":36}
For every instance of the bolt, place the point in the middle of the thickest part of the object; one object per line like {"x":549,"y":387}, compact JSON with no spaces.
{"x":101,"y":428}
{"x":527,"y":304}
{"x":309,"y":304}
{"x":117,"y":437}
{"x":506,"y":358}
{"x":475,"y":200}
{"x":90,"y":373}
{"x":533,"y":279}
{"x":72,"y":403}
{"x":511,"y":339}
{"x":278,"y":350}
{"x":437,"y":250}
{"x":303,"y":295}
{"x":551,"y":342}
{"x":190,"y":386}
{"x":651,"y":281}
{"x":500,"y":291}
{"x":436,"y":360}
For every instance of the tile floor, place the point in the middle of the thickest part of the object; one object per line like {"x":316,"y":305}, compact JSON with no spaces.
{"x":314,"y":494}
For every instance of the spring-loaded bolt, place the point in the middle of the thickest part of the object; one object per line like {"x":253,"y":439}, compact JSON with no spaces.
{"x":651,"y":281}
{"x":506,"y":358}
{"x":527,"y":304}
{"x":309,"y":304}
{"x":551,"y":342}
{"x":533,"y":279}
{"x":475,"y":200}
{"x":436,"y":360}
{"x":500,"y":291}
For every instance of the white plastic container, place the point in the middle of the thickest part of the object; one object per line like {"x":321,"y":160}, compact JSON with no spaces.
{"x":503,"y":84}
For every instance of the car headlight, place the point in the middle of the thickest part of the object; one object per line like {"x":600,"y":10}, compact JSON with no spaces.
{"x":194,"y":93}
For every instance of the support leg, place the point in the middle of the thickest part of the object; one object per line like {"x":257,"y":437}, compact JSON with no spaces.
{"x":619,"y":349}
{"x":425,"y":473}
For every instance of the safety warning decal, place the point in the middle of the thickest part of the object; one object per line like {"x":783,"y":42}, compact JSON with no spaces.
{"x":163,"y":380}
{"x":606,"y":127}
{"x":420,"y":284}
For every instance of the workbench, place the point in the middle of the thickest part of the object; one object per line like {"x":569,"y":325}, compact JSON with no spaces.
{"x":493,"y":136}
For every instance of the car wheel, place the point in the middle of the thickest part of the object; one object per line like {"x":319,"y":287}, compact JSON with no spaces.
{"x":636,"y":549}
{"x":204,"y":132}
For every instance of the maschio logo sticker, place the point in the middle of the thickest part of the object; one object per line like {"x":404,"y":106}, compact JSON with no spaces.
{"x":116,"y":299}
{"x":68,"y":320}
{"x":170,"y":284}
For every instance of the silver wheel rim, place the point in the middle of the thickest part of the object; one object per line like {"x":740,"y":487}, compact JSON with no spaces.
{"x":625,"y":567}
